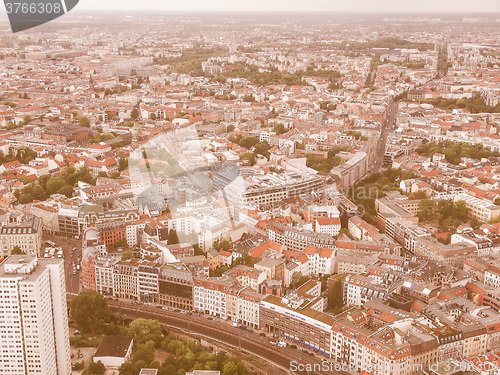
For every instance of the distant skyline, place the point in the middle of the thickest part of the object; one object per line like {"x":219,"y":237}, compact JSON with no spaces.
{"x":380,"y":6}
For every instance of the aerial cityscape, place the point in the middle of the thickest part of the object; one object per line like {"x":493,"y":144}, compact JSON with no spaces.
{"x":233,"y":193}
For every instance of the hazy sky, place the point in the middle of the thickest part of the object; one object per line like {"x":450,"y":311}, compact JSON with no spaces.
{"x":384,"y":6}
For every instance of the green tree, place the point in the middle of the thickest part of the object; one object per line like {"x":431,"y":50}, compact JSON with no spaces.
{"x":128,"y":369}
{"x":84,"y":121}
{"x":335,"y":297}
{"x":90,"y":311}
{"x":222,"y":244}
{"x":145,"y":352}
{"x":38,"y":193}
{"x":229,"y":128}
{"x":17,"y":250}
{"x":25,"y":155}
{"x":95,"y":369}
{"x":66,"y":190}
{"x":144,"y":330}
{"x":427,"y":209}
{"x":249,"y":142}
{"x":475,"y":223}
{"x":250,"y":156}
{"x":497,"y":201}
{"x":280,"y":129}
{"x":230,"y":368}
{"x":77,"y":366}
{"x":26,"y":120}
{"x":54,"y":184}
{"x":25,"y":198}
{"x":172,"y":238}
{"x":461,"y":210}
{"x":127,"y":254}
{"x":42,"y":180}
{"x":134,"y":114}
{"x":122,"y":164}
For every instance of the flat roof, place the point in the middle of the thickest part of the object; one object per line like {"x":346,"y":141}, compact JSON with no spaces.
{"x":114,"y":346}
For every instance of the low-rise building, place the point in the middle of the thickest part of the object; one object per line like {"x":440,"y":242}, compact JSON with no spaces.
{"x":26,"y":235}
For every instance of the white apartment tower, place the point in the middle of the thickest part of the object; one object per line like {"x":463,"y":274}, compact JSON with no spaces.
{"x":34,"y":335}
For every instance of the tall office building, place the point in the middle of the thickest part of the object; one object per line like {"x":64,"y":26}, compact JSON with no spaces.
{"x":34,"y":335}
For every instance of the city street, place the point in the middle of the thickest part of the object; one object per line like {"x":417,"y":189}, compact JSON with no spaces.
{"x":67,"y":244}
{"x":388,"y":127}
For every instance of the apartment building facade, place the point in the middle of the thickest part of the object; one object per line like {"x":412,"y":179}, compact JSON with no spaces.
{"x":33,"y":317}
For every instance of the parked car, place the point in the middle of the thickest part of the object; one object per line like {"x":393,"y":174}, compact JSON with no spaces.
{"x":243,"y":327}
{"x":210,"y":318}
{"x":234,"y":324}
{"x":282,"y":344}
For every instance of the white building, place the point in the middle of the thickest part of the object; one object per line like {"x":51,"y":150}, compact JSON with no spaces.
{"x":33,"y":317}
{"x":321,"y":260}
{"x":271,"y":188}
{"x":248,"y":307}
{"x":328,"y":225}
{"x":210,"y":295}
{"x":481,"y":209}
{"x":104,"y":275}
{"x":492,"y":277}
{"x":353,"y":286}
{"x":134,"y":232}
{"x":27,"y":236}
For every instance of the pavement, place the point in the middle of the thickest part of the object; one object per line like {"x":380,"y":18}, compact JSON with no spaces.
{"x":87,"y":353}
